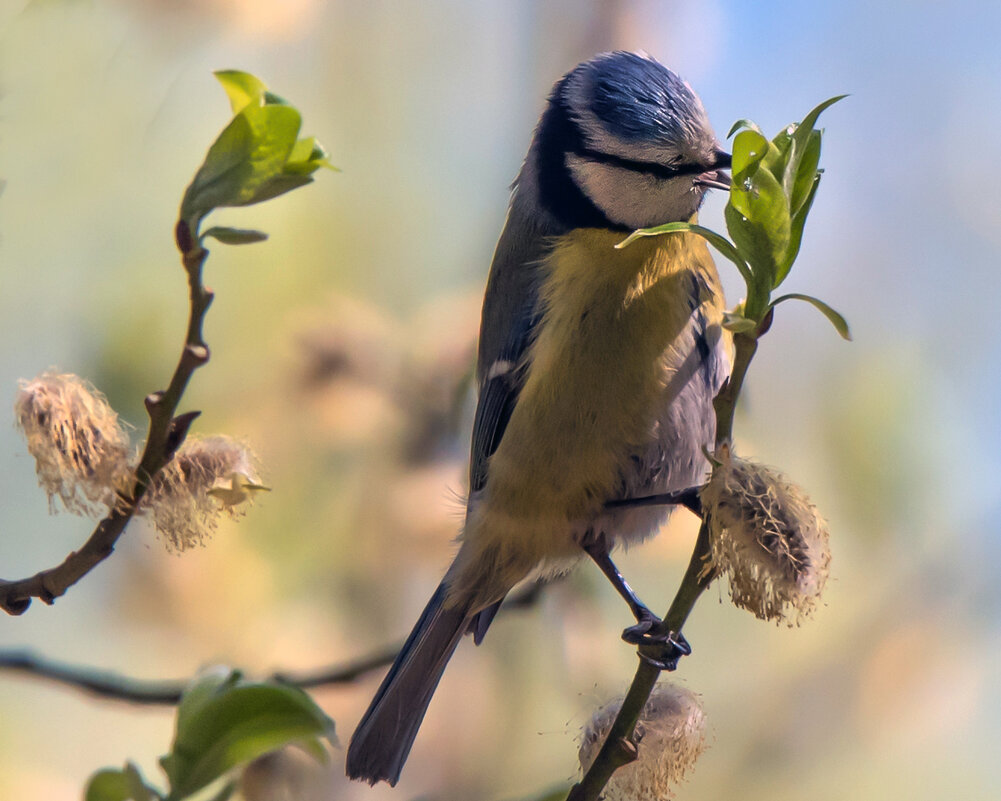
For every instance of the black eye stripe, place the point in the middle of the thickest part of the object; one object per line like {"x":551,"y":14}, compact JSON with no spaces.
{"x":645,"y":167}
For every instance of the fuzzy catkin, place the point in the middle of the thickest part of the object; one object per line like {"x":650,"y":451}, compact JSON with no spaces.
{"x":670,"y":736}
{"x":767,"y":538}
{"x":81,"y":450}
{"x":180,"y":501}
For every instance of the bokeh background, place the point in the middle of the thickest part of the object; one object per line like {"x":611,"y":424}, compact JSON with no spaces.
{"x":340,"y":346}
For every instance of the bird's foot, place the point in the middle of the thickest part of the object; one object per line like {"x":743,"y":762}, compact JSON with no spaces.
{"x":662,"y":650}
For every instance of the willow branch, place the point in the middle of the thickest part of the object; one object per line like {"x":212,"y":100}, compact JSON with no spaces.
{"x":165,"y":692}
{"x":166,"y":433}
{"x":619,"y":747}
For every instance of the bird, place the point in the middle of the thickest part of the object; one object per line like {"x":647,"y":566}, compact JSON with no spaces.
{"x":596,"y":367}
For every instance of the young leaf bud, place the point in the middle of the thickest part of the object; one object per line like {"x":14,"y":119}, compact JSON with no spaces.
{"x":670,"y":736}
{"x":80,"y":447}
{"x":766,"y":537}
{"x":206,"y":479}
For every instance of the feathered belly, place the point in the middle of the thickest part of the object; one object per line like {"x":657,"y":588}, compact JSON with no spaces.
{"x":617,"y":402}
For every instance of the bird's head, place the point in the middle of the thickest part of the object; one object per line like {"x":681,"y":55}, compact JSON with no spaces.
{"x":624,"y":143}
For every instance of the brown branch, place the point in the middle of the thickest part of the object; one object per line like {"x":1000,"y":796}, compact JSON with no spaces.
{"x":114,"y":686}
{"x":614,"y":752}
{"x":610,"y":758}
{"x":166,"y":433}
{"x":166,"y":692}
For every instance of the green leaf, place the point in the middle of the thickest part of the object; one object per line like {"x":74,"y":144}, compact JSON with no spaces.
{"x":804,"y":132}
{"x":279,"y":185}
{"x":242,"y":88}
{"x":271,"y":99}
{"x":776,"y":160}
{"x":749,"y":148}
{"x":140,"y":791}
{"x":248,"y":155}
{"x":796,"y":233}
{"x":809,"y":123}
{"x":119,"y":785}
{"x":302,"y":151}
{"x":307,"y":157}
{"x":108,"y":785}
{"x":200,"y":691}
{"x":231,"y":149}
{"x":315,"y":747}
{"x":839,"y":322}
{"x":778,"y":165}
{"x":721,"y":243}
{"x":740,"y":124}
{"x":806,"y":173}
{"x":235,"y":236}
{"x":220,"y":729}
{"x":757,"y":218}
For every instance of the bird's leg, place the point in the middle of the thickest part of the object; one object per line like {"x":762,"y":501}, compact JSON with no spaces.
{"x":646,"y":631}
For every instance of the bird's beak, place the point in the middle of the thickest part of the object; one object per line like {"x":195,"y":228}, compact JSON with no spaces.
{"x":717,"y":177}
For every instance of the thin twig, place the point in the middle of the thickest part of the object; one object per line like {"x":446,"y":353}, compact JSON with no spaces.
{"x":613,"y":754}
{"x":166,"y":692}
{"x":611,"y":757}
{"x":115,"y":686}
{"x":166,"y":433}
{"x":98,"y":683}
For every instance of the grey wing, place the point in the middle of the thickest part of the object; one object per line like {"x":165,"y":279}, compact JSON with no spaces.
{"x":510,"y":315}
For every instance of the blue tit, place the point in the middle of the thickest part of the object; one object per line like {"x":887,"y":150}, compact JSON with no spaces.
{"x":597,"y":367}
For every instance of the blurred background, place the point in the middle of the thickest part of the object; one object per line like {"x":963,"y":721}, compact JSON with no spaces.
{"x":340,"y":347}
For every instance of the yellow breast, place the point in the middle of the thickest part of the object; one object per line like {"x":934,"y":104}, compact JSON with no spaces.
{"x":611,"y":336}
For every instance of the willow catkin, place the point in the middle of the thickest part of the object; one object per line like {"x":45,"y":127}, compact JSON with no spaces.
{"x":669,"y":736}
{"x":183,"y":502}
{"x":766,"y":538}
{"x":81,"y":449}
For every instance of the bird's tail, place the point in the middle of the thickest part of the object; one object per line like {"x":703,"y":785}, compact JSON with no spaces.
{"x":383,"y":739}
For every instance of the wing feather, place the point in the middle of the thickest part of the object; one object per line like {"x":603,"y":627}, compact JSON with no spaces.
{"x":510,"y":317}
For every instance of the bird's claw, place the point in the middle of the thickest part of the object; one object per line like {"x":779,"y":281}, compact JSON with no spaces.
{"x":667,"y":648}
{"x":640,"y":633}
{"x":670,"y":649}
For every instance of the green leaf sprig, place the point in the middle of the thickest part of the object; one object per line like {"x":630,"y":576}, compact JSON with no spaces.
{"x":223,"y":722}
{"x":774,"y":184}
{"x":258,"y":156}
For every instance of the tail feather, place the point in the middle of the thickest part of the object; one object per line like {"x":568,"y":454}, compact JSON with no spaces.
{"x":382,"y":741}
{"x":481,"y":621}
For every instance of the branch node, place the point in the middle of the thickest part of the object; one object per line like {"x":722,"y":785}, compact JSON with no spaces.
{"x":197,"y":353}
{"x":16,"y":606}
{"x":153,"y":400}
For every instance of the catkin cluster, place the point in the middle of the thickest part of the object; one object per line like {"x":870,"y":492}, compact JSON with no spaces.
{"x":83,"y":460}
{"x":81,"y":449}
{"x":206,"y":479}
{"x":766,"y":537}
{"x":670,"y":736}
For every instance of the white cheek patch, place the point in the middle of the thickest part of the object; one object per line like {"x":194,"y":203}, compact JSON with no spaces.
{"x":633,"y":199}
